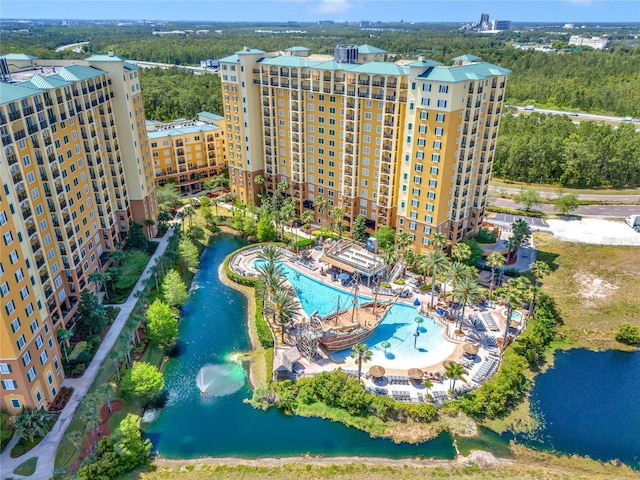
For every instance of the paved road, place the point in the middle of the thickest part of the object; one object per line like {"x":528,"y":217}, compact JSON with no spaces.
{"x":46,"y":449}
{"x":579,"y":116}
{"x":505,"y":220}
{"x":610,"y":211}
{"x":581,"y":196}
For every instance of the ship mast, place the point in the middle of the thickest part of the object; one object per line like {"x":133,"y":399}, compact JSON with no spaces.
{"x":354,"y":300}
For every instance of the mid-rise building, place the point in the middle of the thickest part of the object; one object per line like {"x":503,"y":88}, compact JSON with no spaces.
{"x":405,"y":145}
{"x":76,"y":170}
{"x":597,"y":43}
{"x":188,"y":152}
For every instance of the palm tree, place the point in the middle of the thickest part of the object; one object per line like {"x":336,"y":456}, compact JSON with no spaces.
{"x":259,"y":180}
{"x":361,"y":353}
{"x":149,"y":222}
{"x":539,"y":270}
{"x":511,"y":294}
{"x":283,"y":308}
{"x":215,"y":202}
{"x":320,"y":204}
{"x":77,"y":438}
{"x":403,"y":240}
{"x":433,"y":262}
{"x":114,"y":355}
{"x":118,"y":257}
{"x":428,"y":384}
{"x":460,"y":252}
{"x":100,"y":279}
{"x":307,"y":218}
{"x":271,"y":253}
{"x":454,"y":371}
{"x":271,"y":280}
{"x":155,"y":272}
{"x":64,"y":336}
{"x":494,"y":260}
{"x":438,"y":241}
{"x":31,"y":424}
{"x":105,"y":390}
{"x":389,"y":257}
{"x":456,"y":271}
{"x":288,"y":215}
{"x":338,"y":217}
{"x":466,"y":291}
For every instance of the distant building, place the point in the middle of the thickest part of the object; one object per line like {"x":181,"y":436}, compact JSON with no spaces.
{"x":209,"y":63}
{"x":346,"y":54}
{"x":569,"y":26}
{"x":172,"y":33}
{"x":202,"y":32}
{"x":597,"y":43}
{"x":188,"y":152}
{"x":500,"y":25}
{"x":325,"y":22}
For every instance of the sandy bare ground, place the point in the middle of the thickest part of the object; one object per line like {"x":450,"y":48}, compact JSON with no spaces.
{"x":595,"y":231}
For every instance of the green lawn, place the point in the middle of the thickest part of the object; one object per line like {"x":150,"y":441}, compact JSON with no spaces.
{"x":27,"y":468}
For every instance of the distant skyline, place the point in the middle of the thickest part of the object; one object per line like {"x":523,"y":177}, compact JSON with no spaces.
{"x":569,"y":11}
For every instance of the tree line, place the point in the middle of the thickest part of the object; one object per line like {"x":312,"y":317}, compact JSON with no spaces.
{"x":569,"y":79}
{"x":553,"y":150}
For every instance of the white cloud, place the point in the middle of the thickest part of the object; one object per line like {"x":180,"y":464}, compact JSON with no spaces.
{"x":333,"y":6}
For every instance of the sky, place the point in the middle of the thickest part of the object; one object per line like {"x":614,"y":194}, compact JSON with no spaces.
{"x":569,"y":11}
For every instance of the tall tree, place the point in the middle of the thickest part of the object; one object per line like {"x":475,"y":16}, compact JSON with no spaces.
{"x":136,"y":239}
{"x":528,"y":198}
{"x":144,"y":381}
{"x":90,"y":316}
{"x":359,"y":230}
{"x":494,"y":260}
{"x":337,"y":214}
{"x":361,"y":353}
{"x":540,"y":270}
{"x":467,"y":292}
{"x":284,"y":308}
{"x":100,"y":279}
{"x":174,"y":291}
{"x":161,"y":324}
{"x":438,"y":241}
{"x":566,"y":203}
{"x":188,"y":254}
{"x":454,"y":371}
{"x":434,"y":262}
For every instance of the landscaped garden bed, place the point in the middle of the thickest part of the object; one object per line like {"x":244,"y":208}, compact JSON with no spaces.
{"x":61,"y":400}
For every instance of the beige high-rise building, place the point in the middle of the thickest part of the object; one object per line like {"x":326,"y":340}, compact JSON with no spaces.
{"x":188,"y":152}
{"x":408,"y":145}
{"x":75,"y":170}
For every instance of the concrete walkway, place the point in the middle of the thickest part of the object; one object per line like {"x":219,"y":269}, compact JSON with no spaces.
{"x":46,"y":449}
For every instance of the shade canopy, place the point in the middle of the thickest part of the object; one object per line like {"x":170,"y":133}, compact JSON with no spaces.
{"x":415,"y":373}
{"x":470,"y":348}
{"x":377,"y":371}
{"x":344,"y":276}
{"x":385,"y":344}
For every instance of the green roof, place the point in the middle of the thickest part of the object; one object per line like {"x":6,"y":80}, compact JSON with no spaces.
{"x":172,"y":132}
{"x":79,"y":72}
{"x":463,"y":73}
{"x":103,"y":58}
{"x":380,"y":68}
{"x":52,"y":81}
{"x":369,"y":49}
{"x":330,"y":65}
{"x":211,"y":116}
{"x":424,"y":63}
{"x":297,"y":49}
{"x":250,"y":51}
{"x":230,"y":59}
{"x":18,"y":56}
{"x":11,"y":92}
{"x":285,"y":61}
{"x":466,"y":58}
{"x":131,"y":66}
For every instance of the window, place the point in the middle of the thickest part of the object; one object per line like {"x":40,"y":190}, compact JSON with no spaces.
{"x":421,"y":142}
{"x":43,"y":357}
{"x":4,"y":289}
{"x":440,"y":117}
{"x":10,"y":307}
{"x":434,"y":171}
{"x":39,"y":341}
{"x":424,"y":115}
{"x":21,"y":342}
{"x":26,"y":359}
{"x":437,"y":145}
{"x":426,"y":102}
{"x":15,"y":325}
{"x":31,"y":374}
{"x":439,"y":131}
{"x":435,"y":157}
{"x":34,"y":326}
{"x":433,"y":183}
{"x":5,"y":368}
{"x":8,"y":238}
{"x":443,"y":89}
{"x":9,"y":384}
{"x":417,"y":180}
{"x":15,"y":403}
{"x":422,"y":129}
{"x":426,"y":87}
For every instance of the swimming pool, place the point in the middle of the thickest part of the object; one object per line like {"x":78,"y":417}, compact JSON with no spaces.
{"x":398,"y":327}
{"x":515,"y":315}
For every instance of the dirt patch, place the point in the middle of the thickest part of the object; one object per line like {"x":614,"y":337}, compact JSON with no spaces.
{"x":593,"y":289}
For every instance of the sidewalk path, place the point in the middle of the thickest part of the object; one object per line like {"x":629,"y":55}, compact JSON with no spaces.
{"x":46,"y":449}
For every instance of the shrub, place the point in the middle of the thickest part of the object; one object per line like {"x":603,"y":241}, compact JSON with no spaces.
{"x":305,"y":242}
{"x":385,"y":284}
{"x":264,"y":331}
{"x":84,"y":357}
{"x":94,"y":342}
{"x":486,"y":236}
{"x":628,"y":334}
{"x":399,"y":281}
{"x":77,"y":350}
{"x":78,"y":370}
{"x":6,"y":429}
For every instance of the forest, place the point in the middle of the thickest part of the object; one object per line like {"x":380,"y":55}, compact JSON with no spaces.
{"x":581,"y":80}
{"x":553,"y":150}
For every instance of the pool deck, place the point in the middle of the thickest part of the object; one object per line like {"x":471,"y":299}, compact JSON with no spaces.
{"x":483,"y":327}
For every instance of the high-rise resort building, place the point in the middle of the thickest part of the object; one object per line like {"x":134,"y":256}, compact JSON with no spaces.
{"x":408,"y":144}
{"x":188,"y":152}
{"x":75,"y":170}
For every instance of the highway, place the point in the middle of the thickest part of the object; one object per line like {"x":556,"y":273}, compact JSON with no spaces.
{"x":578,"y":116}
{"x":164,"y":66}
{"x":608,"y":211}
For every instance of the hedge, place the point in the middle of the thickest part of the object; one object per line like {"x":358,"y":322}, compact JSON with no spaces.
{"x":264,"y":331}
{"x":513,"y":211}
{"x":305,"y":242}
